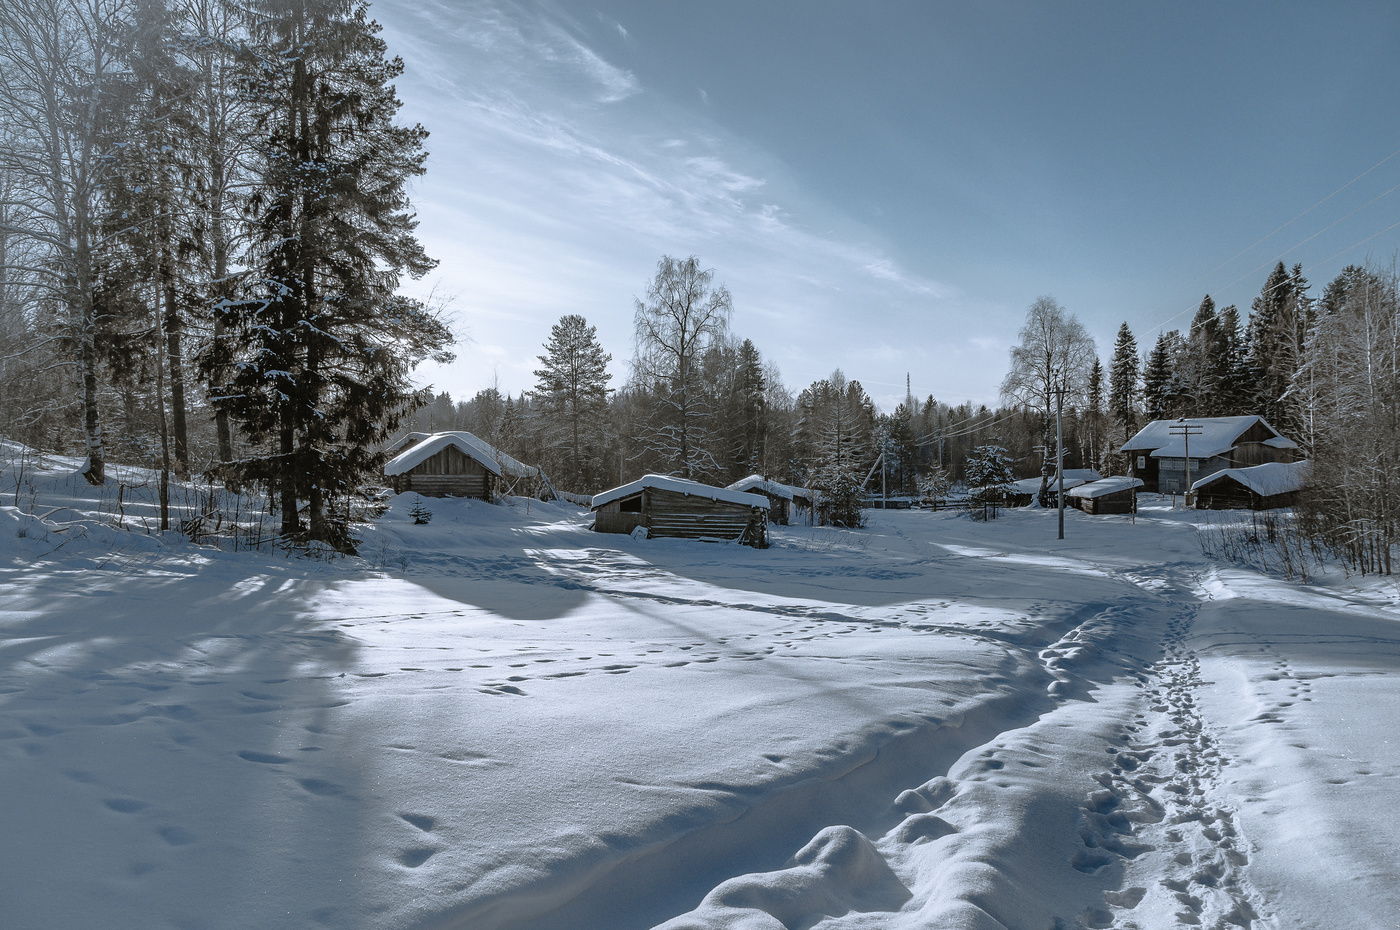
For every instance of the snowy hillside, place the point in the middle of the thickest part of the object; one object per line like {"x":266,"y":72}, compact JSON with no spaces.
{"x":502,"y":720}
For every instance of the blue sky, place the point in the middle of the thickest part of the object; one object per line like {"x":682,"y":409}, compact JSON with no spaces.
{"x":885,"y":188}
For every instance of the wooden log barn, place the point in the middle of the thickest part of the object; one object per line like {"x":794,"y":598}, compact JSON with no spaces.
{"x":457,"y":464}
{"x":786,"y":502}
{"x":1107,"y":495}
{"x":681,"y":509}
{"x":1261,"y":487}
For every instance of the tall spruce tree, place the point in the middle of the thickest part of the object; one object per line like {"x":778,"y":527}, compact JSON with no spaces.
{"x":750,"y":410}
{"x":1279,"y":320}
{"x":1093,"y":416}
{"x":572,"y":391}
{"x":1200,"y":363}
{"x":325,"y":343}
{"x":1234,"y":389}
{"x":1123,"y":381}
{"x":1157,"y":378}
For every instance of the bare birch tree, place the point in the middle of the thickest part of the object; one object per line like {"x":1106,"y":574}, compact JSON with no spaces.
{"x":58,"y":60}
{"x":1055,"y":356}
{"x":682,"y":314}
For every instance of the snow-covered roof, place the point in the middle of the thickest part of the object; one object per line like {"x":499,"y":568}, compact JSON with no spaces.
{"x":406,"y":440}
{"x":680,"y":486}
{"x":1265,"y":480}
{"x":1106,"y":486}
{"x":768,"y":486}
{"x":1074,"y":477}
{"x":1217,"y":436}
{"x":495,"y":461}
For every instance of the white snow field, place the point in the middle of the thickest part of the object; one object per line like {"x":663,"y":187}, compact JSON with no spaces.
{"x":504,"y":720}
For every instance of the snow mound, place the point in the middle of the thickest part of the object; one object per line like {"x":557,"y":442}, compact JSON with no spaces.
{"x":838,"y":872}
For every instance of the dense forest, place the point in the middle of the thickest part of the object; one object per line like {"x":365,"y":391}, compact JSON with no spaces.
{"x":204,"y":226}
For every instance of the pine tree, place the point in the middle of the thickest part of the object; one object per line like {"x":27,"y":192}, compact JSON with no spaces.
{"x":325,"y":344}
{"x":1123,"y":382}
{"x":572,"y":391}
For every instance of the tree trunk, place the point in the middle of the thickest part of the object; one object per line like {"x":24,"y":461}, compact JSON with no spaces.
{"x":286,"y":479}
{"x":96,"y":468}
{"x":175,"y":358}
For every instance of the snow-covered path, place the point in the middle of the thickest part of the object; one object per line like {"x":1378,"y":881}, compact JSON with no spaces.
{"x":515,"y":723}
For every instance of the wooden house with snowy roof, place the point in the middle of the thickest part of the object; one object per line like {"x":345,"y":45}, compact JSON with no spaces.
{"x":1107,"y":495}
{"x":457,"y":464}
{"x":1158,"y":450}
{"x":677,"y":508}
{"x":1259,"y":487}
{"x":1023,"y":493}
{"x":786,"y":502}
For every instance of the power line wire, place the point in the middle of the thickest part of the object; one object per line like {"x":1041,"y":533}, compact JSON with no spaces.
{"x":1276,"y":231}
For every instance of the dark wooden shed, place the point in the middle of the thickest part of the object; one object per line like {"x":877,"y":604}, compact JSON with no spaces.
{"x":786,"y":503}
{"x":676,"y":508}
{"x":1107,"y":495}
{"x":1261,"y":487}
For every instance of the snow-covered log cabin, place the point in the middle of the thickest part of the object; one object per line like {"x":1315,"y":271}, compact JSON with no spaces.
{"x":455,"y":464}
{"x":786,"y":502}
{"x":1023,"y":493}
{"x":675,"y":507}
{"x":1107,"y":495}
{"x":1260,"y":487}
{"x":1158,"y":453}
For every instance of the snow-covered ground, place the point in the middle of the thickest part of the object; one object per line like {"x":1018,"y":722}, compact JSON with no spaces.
{"x":503,"y":720}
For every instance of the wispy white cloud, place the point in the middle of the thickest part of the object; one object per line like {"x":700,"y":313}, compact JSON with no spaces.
{"x":544,"y":198}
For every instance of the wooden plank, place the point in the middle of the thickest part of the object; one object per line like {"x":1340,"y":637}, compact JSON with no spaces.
{"x":616,"y":522}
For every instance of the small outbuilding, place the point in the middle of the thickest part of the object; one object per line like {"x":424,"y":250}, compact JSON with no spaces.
{"x":786,"y":502}
{"x":677,"y":508}
{"x":1107,"y":495}
{"x":1260,"y":487}
{"x":1023,"y":493}
{"x":456,"y":464}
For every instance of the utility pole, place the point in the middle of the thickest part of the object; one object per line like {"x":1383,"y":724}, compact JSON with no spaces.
{"x":1186,"y":430}
{"x":1060,"y":453}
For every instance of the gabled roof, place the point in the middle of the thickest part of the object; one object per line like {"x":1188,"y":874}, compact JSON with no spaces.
{"x":1266,"y":480}
{"x":768,"y":486}
{"x":1074,"y":477}
{"x":494,"y":460}
{"x":1106,"y":486}
{"x":680,"y":486}
{"x":406,"y":440}
{"x":1217,"y":436}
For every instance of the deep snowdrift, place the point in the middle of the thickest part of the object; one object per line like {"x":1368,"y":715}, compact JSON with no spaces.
{"x":501,"y":719}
